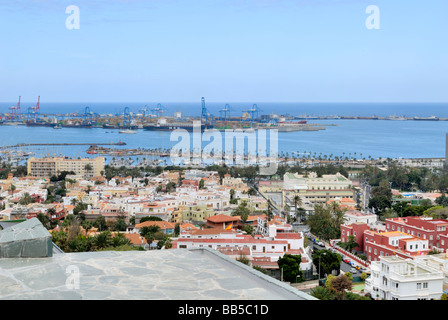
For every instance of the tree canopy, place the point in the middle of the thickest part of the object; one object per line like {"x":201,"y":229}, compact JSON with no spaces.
{"x":290,"y":264}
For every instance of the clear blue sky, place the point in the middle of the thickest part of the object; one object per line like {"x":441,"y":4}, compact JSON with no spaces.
{"x":224,"y":50}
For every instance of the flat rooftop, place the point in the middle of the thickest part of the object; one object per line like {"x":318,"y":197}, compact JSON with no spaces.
{"x":199,"y":274}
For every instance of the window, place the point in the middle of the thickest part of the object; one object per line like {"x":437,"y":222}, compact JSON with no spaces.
{"x":419,"y":285}
{"x":425,"y":285}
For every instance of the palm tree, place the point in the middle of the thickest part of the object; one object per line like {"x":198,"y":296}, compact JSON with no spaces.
{"x":297,"y":202}
{"x":321,"y":293}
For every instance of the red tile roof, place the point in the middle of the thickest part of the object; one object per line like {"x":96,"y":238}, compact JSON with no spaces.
{"x":220,"y":218}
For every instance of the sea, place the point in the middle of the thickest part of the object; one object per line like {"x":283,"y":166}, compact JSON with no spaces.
{"x":357,"y":138}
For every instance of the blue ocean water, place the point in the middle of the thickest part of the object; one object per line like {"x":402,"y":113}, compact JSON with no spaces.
{"x":360,"y":138}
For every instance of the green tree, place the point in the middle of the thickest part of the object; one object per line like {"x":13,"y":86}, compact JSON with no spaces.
{"x":350,"y":244}
{"x":249,"y":229}
{"x":326,"y":261}
{"x":232,"y":194}
{"x":290,"y":264}
{"x":100,"y":223}
{"x":242,"y":211}
{"x":442,"y":200}
{"x":149,"y":231}
{"x":321,"y":293}
{"x":150,"y":218}
{"x":26,"y":199}
{"x":379,"y":203}
{"x":297,"y":203}
{"x":326,"y":222}
{"x":120,"y":225}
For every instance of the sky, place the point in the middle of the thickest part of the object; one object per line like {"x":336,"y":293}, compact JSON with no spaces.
{"x":224,"y":50}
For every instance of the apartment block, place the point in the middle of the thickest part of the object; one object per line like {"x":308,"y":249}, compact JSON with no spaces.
{"x":316,"y":189}
{"x":48,"y":167}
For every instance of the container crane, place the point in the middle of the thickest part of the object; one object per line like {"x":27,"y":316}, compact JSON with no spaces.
{"x":253,"y":113}
{"x":15,"y":111}
{"x":159,"y":110}
{"x":205,"y":115}
{"x":226,"y":112}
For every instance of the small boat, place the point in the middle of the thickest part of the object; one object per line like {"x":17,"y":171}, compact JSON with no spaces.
{"x":57,"y":127}
{"x":127,"y":131}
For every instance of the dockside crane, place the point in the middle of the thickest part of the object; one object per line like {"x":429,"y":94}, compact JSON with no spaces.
{"x":34,"y":112}
{"x":205,"y":115}
{"x":159,"y":110}
{"x":15,"y":111}
{"x":253,"y":113}
{"x":226,"y":112}
{"x":37,"y":108}
{"x":127,"y":118}
{"x":88,"y":116}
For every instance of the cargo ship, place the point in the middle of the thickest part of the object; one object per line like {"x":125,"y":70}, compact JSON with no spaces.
{"x":432,"y":118}
{"x":163,"y":125}
{"x":111,"y":126}
{"x":85,"y":126}
{"x":40,"y":124}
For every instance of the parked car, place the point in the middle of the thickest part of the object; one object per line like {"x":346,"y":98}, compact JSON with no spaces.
{"x":353,"y":270}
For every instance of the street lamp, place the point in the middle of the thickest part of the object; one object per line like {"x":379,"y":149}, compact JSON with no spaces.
{"x":324,"y":253}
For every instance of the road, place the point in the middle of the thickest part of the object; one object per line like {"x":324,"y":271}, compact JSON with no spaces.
{"x":344,"y":267}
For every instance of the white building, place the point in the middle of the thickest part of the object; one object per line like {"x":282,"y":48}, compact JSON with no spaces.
{"x":395,"y":278}
{"x":271,"y":247}
{"x":356,"y":216}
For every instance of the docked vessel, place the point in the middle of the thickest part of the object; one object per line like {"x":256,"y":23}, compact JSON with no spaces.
{"x":396,"y":118}
{"x":163,"y":125}
{"x":117,"y":126}
{"x":40,"y":124}
{"x":432,"y":118}
{"x":306,"y":117}
{"x":368,"y":118}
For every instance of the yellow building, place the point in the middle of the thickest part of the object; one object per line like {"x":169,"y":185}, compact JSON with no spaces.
{"x":48,"y":167}
{"x":315,"y":189}
{"x":196,"y":213}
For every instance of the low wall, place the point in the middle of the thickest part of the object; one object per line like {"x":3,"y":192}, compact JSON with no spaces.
{"x":352,"y":256}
